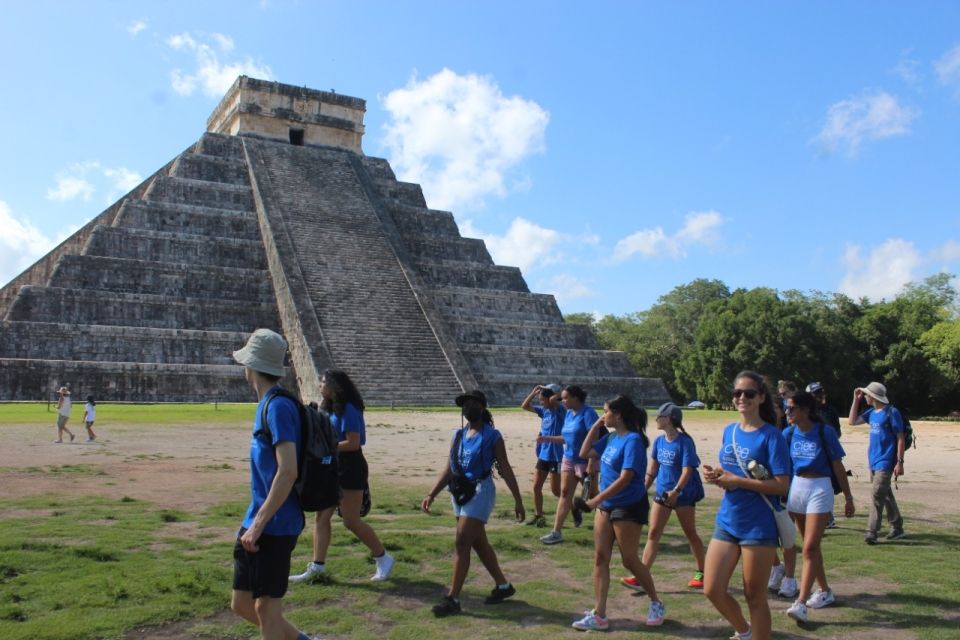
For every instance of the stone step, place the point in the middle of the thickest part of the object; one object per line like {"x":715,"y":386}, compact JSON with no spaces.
{"x":408,"y":193}
{"x":217,"y":144}
{"x":209,"y":194}
{"x":189,"y":219}
{"x":178,"y":280}
{"x":452,"y":273}
{"x":448,"y":248}
{"x":59,"y":341}
{"x":496,"y":331}
{"x":378,"y":168}
{"x":168,"y":247}
{"x":25,"y":379}
{"x":75,"y":306}
{"x":461,"y":303}
{"x":419,"y":221}
{"x":199,"y":166}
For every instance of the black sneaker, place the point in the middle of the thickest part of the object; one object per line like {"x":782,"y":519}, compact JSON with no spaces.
{"x":498,"y":595}
{"x":447,"y":607}
{"x":577,"y":517}
{"x":896,"y":534}
{"x":871,"y":538}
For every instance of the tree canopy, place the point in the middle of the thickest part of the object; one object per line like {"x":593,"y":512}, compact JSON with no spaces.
{"x":699,"y":335}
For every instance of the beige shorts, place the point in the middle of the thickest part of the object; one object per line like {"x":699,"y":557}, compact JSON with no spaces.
{"x":62,"y":421}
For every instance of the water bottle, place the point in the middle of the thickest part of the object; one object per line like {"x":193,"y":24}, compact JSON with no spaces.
{"x":757,"y":470}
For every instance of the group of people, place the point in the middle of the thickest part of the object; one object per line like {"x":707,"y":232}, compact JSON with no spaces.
{"x":760,"y":468}
{"x":65,"y":406}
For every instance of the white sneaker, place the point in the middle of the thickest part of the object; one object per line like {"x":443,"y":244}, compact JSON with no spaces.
{"x":313,"y":573}
{"x":798,"y":611}
{"x":821,"y":599}
{"x":384,"y":566}
{"x":788,"y":588}
{"x":746,"y":635}
{"x":776,"y":575}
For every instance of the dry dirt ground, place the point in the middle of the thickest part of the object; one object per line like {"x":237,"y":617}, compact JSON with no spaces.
{"x":191,"y":466}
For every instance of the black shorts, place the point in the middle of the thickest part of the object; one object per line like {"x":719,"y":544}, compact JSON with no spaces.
{"x":638,"y":512}
{"x":266,"y":572}
{"x":353,"y":471}
{"x":548,"y":466}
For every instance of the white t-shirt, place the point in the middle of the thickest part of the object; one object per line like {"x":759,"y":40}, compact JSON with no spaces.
{"x":91,"y":414}
{"x":65,"y":406}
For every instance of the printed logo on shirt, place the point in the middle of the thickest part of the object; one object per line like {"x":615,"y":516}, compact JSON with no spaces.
{"x":609,"y":455}
{"x":666,"y":456}
{"x":805,"y":449}
{"x":728,"y":453}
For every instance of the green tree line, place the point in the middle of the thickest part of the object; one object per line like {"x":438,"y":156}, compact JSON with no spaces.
{"x":699,"y":335}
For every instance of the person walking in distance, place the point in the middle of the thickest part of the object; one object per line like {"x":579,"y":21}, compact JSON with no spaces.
{"x":64,"y":405}
{"x":549,"y":454}
{"x":89,"y":417}
{"x":885,"y":454}
{"x":468,"y":474}
{"x":274,"y":519}
{"x":342,"y":402}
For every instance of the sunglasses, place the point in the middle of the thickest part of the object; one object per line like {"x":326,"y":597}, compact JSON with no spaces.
{"x":749,"y":393}
{"x":789,"y":409}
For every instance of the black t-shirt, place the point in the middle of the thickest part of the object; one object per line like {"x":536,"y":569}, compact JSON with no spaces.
{"x":829,"y":415}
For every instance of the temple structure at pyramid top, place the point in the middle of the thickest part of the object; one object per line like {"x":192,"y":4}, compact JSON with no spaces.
{"x":275,"y":218}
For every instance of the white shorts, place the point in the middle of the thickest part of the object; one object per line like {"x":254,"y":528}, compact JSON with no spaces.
{"x":810,"y":495}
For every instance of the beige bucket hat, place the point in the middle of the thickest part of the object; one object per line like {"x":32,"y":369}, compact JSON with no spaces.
{"x":265,"y":352}
{"x":877,"y":391}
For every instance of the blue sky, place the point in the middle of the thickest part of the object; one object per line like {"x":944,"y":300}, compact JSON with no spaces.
{"x":612,"y":150}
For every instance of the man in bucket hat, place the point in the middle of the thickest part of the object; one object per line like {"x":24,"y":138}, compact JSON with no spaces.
{"x":274,"y":519}
{"x":885,"y":454}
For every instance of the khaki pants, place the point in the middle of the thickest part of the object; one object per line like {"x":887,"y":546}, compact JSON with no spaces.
{"x":883,"y":498}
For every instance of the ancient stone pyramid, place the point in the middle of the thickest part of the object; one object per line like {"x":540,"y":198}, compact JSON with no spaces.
{"x":275,"y":218}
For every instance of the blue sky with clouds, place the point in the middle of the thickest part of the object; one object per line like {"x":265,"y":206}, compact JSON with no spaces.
{"x":611,"y":150}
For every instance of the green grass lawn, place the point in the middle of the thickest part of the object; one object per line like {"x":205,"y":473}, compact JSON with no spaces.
{"x":98,"y":568}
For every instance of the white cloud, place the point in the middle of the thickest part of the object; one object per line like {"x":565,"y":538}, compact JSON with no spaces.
{"x":883,"y":273}
{"x":948,"y":69}
{"x":136,"y":27}
{"x":461,"y":138}
{"x":700,"y":228}
{"x":854,"y":121}
{"x":525,"y":244}
{"x":949,"y":252}
{"x":21,"y":244}
{"x":70,"y":188}
{"x":211,"y":74}
{"x":82,"y":180}
{"x":907,"y":69}
{"x":566,"y":288}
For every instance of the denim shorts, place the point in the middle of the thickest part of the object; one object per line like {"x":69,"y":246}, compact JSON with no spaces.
{"x":725,"y":536}
{"x":481,"y":505}
{"x":810,"y":495}
{"x":638,"y":512}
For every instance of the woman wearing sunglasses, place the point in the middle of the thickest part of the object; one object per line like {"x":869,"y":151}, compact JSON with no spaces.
{"x":815,"y":451}
{"x":745,"y":525}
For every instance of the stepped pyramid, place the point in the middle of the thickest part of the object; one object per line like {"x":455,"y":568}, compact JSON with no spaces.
{"x":275,"y":218}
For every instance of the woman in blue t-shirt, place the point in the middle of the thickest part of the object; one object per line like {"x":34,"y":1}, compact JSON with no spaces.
{"x":476,"y":447}
{"x":745,"y":525}
{"x":549,"y":454}
{"x":673,"y":462}
{"x":622,"y":504}
{"x":573,"y":468}
{"x":815,"y":451}
{"x":342,"y":401}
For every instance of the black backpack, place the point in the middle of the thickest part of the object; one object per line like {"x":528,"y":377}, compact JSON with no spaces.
{"x":317,"y":482}
{"x":908,"y":439}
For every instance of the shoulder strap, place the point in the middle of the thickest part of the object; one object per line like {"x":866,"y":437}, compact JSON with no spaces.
{"x":455,"y":449}
{"x":736,"y":454}
{"x":823,"y":441}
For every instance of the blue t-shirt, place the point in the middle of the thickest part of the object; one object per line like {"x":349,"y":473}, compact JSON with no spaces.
{"x":476,"y":454}
{"x":745,"y":514}
{"x":616,"y":454}
{"x":351,"y":421}
{"x":672,"y":458}
{"x":283,"y":420}
{"x":551,"y":422}
{"x":884,"y":427}
{"x":575,"y":428}
{"x":806,"y":449}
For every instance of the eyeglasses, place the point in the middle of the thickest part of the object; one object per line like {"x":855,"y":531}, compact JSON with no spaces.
{"x":749,"y":393}
{"x":789,"y":409}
